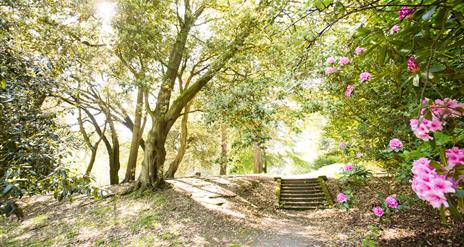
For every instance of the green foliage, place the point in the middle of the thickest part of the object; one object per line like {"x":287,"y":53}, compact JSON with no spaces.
{"x":370,"y":240}
{"x":325,"y":160}
{"x":356,"y":177}
{"x":349,"y":200}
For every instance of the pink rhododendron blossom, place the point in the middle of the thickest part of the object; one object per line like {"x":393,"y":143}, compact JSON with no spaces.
{"x":429,"y":185}
{"x":413,"y":66}
{"x":395,"y":29}
{"x":344,"y":61}
{"x":436,"y":199}
{"x":391,"y":202}
{"x":422,"y":127}
{"x":349,"y":90}
{"x":455,"y":156}
{"x":364,"y":76}
{"x":341,"y":198}
{"x":378,"y":211}
{"x":348,"y":167}
{"x":359,"y":155}
{"x":330,"y":70}
{"x":395,"y":144}
{"x":330,"y":60}
{"x":444,"y":108}
{"x":342,"y":146}
{"x":405,"y":11}
{"x":359,"y":50}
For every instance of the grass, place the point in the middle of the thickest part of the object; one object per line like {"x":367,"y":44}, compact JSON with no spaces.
{"x":145,"y":221}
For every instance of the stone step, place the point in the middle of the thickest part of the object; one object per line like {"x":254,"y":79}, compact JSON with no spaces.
{"x":310,"y":203}
{"x":300,"y":189}
{"x":303,"y":207}
{"x":301,"y":185}
{"x":302,"y":193}
{"x":299,"y":181}
{"x":306,"y":199}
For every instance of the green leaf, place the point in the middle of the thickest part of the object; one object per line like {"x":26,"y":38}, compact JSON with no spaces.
{"x":437,"y":67}
{"x":459,"y":193}
{"x":435,"y":164}
{"x":3,"y":84}
{"x":441,"y":139}
{"x":7,"y":189}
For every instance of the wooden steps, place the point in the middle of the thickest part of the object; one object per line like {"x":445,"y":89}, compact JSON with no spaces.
{"x":303,"y":194}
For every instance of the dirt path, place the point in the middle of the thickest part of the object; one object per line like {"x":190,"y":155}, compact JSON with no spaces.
{"x":216,"y":211}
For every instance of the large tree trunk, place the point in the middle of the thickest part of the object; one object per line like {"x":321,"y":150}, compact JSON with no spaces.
{"x":155,"y":156}
{"x":223,"y":163}
{"x":136,"y":136}
{"x":183,"y":144}
{"x":258,"y":157}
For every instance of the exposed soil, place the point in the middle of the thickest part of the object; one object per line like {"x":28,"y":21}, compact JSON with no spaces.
{"x":225,"y":211}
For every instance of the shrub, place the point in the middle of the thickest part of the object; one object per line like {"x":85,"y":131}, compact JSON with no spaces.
{"x":354,"y":175}
{"x":326,"y":160}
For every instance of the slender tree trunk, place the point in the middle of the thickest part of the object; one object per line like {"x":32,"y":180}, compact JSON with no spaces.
{"x":136,"y":136}
{"x":92,"y":161}
{"x":183,"y":144}
{"x":223,"y":163}
{"x":114,"y":154}
{"x":257,"y":157}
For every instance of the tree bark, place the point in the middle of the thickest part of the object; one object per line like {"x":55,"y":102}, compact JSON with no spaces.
{"x":258,"y":158}
{"x":114,"y":153}
{"x":223,"y":163}
{"x":136,"y":136}
{"x":164,"y":115}
{"x":92,"y":161}
{"x":183,"y":144}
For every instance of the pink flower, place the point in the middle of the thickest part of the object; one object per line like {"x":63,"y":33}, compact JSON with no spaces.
{"x":422,"y":127}
{"x":447,"y":107}
{"x":359,"y":50}
{"x":330,"y":60}
{"x":364,"y":76}
{"x":395,"y":29}
{"x":344,"y":61}
{"x":391,"y":202}
{"x":330,"y":70}
{"x":378,"y":211}
{"x":428,"y":185}
{"x":342,"y":146}
{"x":413,"y":66}
{"x":341,"y":198}
{"x":455,"y":156}
{"x":359,"y":155}
{"x":349,"y":90}
{"x":436,"y":199}
{"x":348,"y":167}
{"x":440,"y":183}
{"x":395,"y":144}
{"x":405,"y":11}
